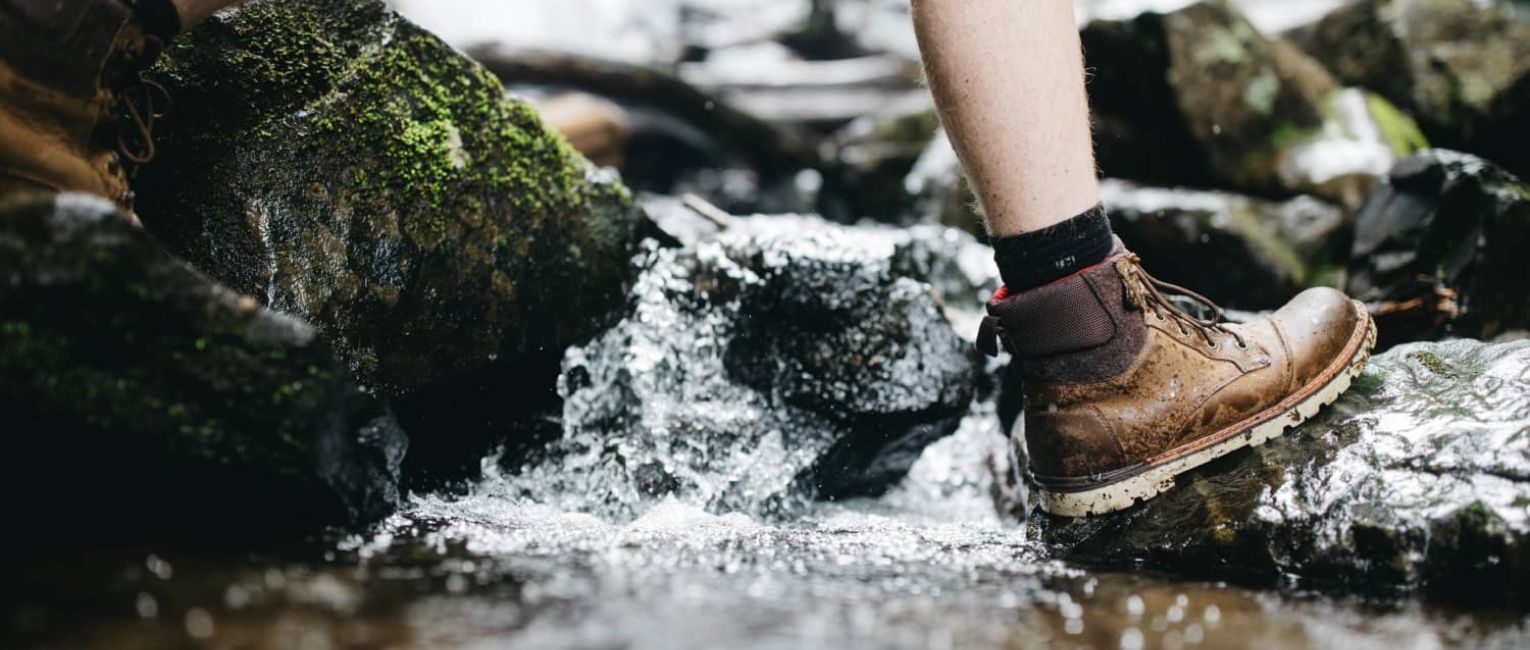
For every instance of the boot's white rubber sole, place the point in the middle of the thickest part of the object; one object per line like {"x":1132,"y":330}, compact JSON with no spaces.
{"x":1268,"y":425}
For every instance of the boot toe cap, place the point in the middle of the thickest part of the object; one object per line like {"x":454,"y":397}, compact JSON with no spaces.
{"x":1318,"y":326}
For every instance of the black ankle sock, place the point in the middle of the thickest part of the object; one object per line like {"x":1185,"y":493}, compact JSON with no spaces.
{"x":157,"y":17}
{"x":1041,"y":257}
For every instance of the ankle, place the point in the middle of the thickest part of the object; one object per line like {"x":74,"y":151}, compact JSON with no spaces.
{"x":1042,"y":257}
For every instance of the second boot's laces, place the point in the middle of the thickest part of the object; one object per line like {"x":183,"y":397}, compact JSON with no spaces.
{"x":1146,"y":292}
{"x":140,"y":105}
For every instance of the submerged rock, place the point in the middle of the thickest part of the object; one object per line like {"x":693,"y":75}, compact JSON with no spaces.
{"x":1242,"y":252}
{"x":1417,"y":478}
{"x":141,"y":395}
{"x":341,"y":164}
{"x":785,"y":360}
{"x":1462,"y":67}
{"x":1440,"y":249}
{"x":1237,"y":109}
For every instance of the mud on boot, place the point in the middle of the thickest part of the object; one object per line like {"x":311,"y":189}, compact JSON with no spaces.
{"x":1125,"y":390}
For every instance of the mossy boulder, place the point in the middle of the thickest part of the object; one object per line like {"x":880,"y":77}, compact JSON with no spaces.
{"x":1243,"y":252}
{"x":1440,"y":248}
{"x":1237,"y":109}
{"x":1418,"y":478}
{"x":139,"y":393}
{"x":339,"y":163}
{"x":1461,"y":67}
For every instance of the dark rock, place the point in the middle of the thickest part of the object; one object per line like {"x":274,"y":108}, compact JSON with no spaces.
{"x":788,"y":359}
{"x":1242,"y":252}
{"x":1463,"y":69}
{"x":139,"y":394}
{"x":1439,"y":249}
{"x":1416,"y":479}
{"x":339,"y":163}
{"x":1237,"y":109}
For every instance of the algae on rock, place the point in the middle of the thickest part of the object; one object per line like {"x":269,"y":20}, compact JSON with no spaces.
{"x":343,"y":165}
{"x":145,"y":392}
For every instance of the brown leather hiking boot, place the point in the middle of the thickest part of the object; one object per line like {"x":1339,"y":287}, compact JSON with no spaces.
{"x":1125,"y":390}
{"x":73,"y":113}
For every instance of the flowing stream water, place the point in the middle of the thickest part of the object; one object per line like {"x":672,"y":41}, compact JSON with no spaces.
{"x":930,"y":565}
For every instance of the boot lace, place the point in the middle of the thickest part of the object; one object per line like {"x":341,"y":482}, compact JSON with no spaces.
{"x":141,"y":103}
{"x":1146,"y":292}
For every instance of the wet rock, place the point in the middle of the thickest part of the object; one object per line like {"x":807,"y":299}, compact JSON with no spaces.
{"x":1416,"y":479}
{"x":1237,"y":109}
{"x":143,"y":396}
{"x":1439,"y":249}
{"x":785,"y":360}
{"x":1461,"y":67}
{"x":341,"y":164}
{"x":1243,"y":252}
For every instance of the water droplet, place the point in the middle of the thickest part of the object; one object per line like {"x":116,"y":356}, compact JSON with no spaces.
{"x":199,"y":624}
{"x":146,"y":605}
{"x":160,"y":568}
{"x":1074,"y":626}
{"x":1131,"y":639}
{"x":1175,"y":614}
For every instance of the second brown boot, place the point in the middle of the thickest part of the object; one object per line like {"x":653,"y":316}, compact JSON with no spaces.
{"x":74,"y":116}
{"x":1125,"y":390}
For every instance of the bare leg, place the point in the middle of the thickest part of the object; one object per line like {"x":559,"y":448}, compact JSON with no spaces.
{"x":1008,"y":79}
{"x":194,"y":11}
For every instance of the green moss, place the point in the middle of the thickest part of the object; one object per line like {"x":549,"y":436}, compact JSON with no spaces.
{"x":1261,"y":93}
{"x":403,"y":107}
{"x":1398,"y":131}
{"x":1368,"y":383}
{"x":1290,"y":134}
{"x":1433,"y":363}
{"x":1226,"y":44}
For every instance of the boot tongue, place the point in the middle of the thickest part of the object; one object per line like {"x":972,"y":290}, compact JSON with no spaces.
{"x":1065,"y":316}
